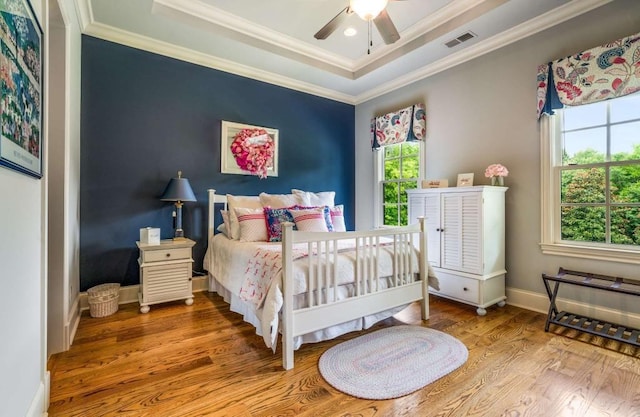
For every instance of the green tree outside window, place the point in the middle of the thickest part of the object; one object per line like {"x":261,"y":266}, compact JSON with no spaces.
{"x":600,"y":190}
{"x":401,"y":173}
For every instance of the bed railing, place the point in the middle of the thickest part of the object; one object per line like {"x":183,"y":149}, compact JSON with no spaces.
{"x":323,"y":310}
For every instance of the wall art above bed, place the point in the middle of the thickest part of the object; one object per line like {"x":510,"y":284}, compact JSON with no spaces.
{"x":249,"y":150}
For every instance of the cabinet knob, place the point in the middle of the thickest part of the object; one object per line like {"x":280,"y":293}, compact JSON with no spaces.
{"x":168,"y":255}
{"x":466,"y":289}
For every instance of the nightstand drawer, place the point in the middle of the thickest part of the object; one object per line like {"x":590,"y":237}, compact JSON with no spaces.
{"x":166,"y":254}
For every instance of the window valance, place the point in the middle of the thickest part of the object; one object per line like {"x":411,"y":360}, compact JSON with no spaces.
{"x":408,"y":124}
{"x":601,"y":73}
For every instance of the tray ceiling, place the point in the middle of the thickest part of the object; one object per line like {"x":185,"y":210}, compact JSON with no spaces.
{"x":273,"y":41}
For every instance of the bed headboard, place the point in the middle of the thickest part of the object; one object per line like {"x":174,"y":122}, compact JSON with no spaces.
{"x":213,"y":200}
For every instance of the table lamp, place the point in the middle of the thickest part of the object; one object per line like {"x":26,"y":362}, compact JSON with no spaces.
{"x":179,"y":191}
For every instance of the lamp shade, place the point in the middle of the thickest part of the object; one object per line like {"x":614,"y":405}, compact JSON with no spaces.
{"x":178,"y":189}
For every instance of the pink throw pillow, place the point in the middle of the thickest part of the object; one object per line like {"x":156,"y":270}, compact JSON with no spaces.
{"x":253,"y":226}
{"x":310,"y":220}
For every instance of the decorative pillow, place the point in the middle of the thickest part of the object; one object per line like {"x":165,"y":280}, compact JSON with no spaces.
{"x":311,"y":220}
{"x":225,"y":220}
{"x":280,"y":200}
{"x":253,"y":227}
{"x":275,"y":218}
{"x":325,"y":198}
{"x":325,"y":210}
{"x":337,"y":218}
{"x":222,"y":228}
{"x":239,"y":201}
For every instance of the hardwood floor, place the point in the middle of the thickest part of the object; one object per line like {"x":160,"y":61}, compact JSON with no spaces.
{"x":203,"y":360}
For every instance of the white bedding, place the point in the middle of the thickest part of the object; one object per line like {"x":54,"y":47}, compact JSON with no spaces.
{"x":228,"y":262}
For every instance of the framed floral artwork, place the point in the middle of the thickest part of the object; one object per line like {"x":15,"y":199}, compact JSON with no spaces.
{"x":249,"y":150}
{"x":21,"y":85}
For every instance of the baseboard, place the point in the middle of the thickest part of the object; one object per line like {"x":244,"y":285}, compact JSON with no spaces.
{"x":540,"y":302}
{"x":74,"y":319}
{"x":40,"y":402}
{"x":520,"y":298}
{"x":129,"y":294}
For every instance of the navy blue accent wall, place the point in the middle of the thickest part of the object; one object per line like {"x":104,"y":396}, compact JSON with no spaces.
{"x":146,"y":116}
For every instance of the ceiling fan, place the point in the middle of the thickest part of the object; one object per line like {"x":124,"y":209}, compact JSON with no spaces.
{"x":369,"y":10}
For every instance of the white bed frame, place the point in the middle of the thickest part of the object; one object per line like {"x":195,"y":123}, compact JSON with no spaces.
{"x":369,"y":299}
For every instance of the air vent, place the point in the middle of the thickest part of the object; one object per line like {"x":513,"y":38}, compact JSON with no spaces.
{"x":462,"y":38}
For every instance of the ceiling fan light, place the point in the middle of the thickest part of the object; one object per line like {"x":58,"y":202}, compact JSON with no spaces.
{"x":368,"y":9}
{"x":350,"y":31}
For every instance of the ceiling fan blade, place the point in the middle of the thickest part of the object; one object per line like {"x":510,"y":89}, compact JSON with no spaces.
{"x":386,"y":27}
{"x":333,"y":24}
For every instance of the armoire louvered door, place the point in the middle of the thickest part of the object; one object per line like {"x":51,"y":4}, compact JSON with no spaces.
{"x":461,"y":232}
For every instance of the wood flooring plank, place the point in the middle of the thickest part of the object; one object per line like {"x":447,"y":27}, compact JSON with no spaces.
{"x":203,"y":360}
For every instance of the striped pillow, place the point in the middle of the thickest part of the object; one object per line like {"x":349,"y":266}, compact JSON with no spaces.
{"x":239,"y":201}
{"x":310,"y":220}
{"x":253,"y":226}
{"x":337,"y":219}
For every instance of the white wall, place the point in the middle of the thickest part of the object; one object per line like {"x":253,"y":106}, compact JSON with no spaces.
{"x":23,"y":384}
{"x":21,"y":302}
{"x":483,"y":112}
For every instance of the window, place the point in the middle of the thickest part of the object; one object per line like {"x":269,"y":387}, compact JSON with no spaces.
{"x":591,"y":178}
{"x":399,"y":171}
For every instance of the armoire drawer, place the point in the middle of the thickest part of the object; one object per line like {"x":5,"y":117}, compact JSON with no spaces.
{"x":461,"y":288}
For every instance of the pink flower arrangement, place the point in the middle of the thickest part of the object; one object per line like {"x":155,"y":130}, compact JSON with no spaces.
{"x":496,"y":170}
{"x":253,"y":150}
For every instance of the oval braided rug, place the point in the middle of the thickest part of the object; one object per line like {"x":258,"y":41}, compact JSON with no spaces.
{"x":391,"y":362}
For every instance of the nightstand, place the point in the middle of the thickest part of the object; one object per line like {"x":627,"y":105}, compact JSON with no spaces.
{"x":165,"y":272}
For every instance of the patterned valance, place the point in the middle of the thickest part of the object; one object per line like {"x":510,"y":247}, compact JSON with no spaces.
{"x":408,"y":124}
{"x":601,"y":73}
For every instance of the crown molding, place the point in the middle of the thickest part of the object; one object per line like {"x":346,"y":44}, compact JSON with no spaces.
{"x":426,"y":25}
{"x":526,"y":29}
{"x":197,"y":12}
{"x":84,"y":11}
{"x":533,"y":26}
{"x":145,"y":43}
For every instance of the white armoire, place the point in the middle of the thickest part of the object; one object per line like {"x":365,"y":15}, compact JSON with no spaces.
{"x":465,"y":241}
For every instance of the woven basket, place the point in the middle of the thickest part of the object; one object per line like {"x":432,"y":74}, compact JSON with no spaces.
{"x":103,"y":299}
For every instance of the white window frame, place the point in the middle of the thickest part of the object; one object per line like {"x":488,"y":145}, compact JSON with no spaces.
{"x":552,"y":244}
{"x":378,"y":163}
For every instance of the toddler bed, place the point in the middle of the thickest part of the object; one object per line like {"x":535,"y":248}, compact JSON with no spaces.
{"x":311,"y":285}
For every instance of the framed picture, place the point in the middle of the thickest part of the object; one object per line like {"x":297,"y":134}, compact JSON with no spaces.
{"x":249,"y":150}
{"x":21,"y":83}
{"x":444,"y":183}
{"x":465,"y":180}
